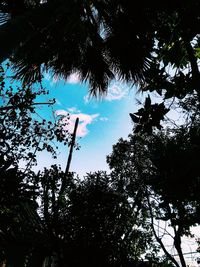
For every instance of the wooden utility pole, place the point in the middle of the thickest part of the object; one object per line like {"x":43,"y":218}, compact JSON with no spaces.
{"x":63,"y":185}
{"x":71,"y":147}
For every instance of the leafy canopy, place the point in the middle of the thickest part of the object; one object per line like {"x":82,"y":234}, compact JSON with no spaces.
{"x":102,"y":39}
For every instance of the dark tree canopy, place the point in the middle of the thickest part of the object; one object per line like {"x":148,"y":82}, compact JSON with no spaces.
{"x":102,"y":39}
{"x":94,"y":224}
{"x":104,"y":220}
{"x":161,"y":172}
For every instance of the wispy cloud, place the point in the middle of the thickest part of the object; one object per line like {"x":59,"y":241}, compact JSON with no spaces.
{"x":73,"y":110}
{"x":84,"y":121}
{"x":74,"y":78}
{"x":116,"y":91}
{"x":51,"y":79}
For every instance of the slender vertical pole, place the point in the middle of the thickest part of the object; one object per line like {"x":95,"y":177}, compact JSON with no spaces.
{"x":62,"y":189}
{"x":71,"y":147}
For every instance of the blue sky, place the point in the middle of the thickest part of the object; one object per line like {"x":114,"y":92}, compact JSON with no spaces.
{"x":102,"y":121}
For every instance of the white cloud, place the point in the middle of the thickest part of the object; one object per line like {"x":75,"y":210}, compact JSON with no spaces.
{"x":61,"y":112}
{"x":73,"y":110}
{"x":50,"y":78}
{"x":115,"y":93}
{"x":84,"y":121}
{"x":73,"y":78}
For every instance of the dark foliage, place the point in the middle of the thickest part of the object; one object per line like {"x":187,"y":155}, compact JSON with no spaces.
{"x":162,"y":172}
{"x":22,"y":132}
{"x":100,"y":39}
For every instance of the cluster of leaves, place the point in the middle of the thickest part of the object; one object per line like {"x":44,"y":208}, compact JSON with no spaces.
{"x":22,"y":132}
{"x":106,"y":38}
{"x":91,"y":223}
{"x":161,"y":171}
{"x":156,"y":47}
{"x":18,"y":202}
{"x":160,"y":167}
{"x":149,"y":117}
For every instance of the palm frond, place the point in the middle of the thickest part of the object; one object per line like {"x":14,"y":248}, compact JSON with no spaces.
{"x":99,"y":40}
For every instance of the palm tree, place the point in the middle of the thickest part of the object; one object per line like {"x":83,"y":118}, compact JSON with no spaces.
{"x":68,"y":37}
{"x":59,"y":37}
{"x":97,"y":39}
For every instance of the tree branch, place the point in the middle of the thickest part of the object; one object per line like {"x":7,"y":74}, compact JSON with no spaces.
{"x":20,"y":104}
{"x":156,"y":236}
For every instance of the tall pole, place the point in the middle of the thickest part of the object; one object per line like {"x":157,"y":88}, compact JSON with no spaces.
{"x":71,"y":147}
{"x":62,"y":189}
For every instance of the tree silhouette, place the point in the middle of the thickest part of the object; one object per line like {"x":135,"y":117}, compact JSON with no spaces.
{"x":155,"y":175}
{"x":94,"y":224}
{"x":22,"y":135}
{"x":161,"y":171}
{"x":103,"y":39}
{"x":22,"y":132}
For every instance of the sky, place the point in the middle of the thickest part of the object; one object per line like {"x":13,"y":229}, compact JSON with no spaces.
{"x":101,"y":121}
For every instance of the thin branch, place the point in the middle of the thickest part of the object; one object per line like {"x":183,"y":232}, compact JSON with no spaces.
{"x":165,"y":232}
{"x":19,"y":105}
{"x":157,"y":238}
{"x":34,"y":153}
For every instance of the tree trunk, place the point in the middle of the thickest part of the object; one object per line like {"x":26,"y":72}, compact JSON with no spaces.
{"x":177,"y":244}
